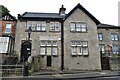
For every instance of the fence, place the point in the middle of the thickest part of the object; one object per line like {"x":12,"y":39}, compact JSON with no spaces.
{"x":11,"y":70}
{"x":115,"y":63}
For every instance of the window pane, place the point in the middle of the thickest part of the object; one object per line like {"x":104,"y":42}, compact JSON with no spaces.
{"x":112,"y":37}
{"x":54,"y":43}
{"x":115,"y":48}
{"x":33,"y":27}
{"x":100,"y":36}
{"x":54,"y":51}
{"x":43,"y":26}
{"x":84,"y":30}
{"x":43,"y":43}
{"x":84,"y":43}
{"x":83,"y":26}
{"x":38,"y":28}
{"x":52,"y":28}
{"x":79,"y":43}
{"x":48,"y":50}
{"x":72,"y":26}
{"x":49,"y":43}
{"x":85,"y":51}
{"x":73,"y":43}
{"x":8,"y":28}
{"x":42,"y":51}
{"x":73,"y":50}
{"x":79,"y":50}
{"x":116,"y":37}
{"x":78,"y":27}
{"x":56,"y":26}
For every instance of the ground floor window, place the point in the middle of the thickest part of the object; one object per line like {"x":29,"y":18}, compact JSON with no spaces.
{"x":48,"y":48}
{"x":115,"y":49}
{"x":102,"y":48}
{"x":79,"y":48}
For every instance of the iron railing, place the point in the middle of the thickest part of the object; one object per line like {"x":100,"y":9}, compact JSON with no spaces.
{"x":11,"y":70}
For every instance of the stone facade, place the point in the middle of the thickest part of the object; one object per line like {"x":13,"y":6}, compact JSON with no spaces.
{"x":108,"y":40}
{"x":77,"y":32}
{"x":36,"y":38}
{"x":92,"y":61}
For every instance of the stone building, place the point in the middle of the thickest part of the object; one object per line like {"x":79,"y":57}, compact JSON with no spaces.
{"x":81,"y":47}
{"x":109,"y":44}
{"x":45,"y":38}
{"x":61,"y":41}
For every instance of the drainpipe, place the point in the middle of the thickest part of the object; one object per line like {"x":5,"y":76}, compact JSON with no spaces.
{"x":62,"y":46}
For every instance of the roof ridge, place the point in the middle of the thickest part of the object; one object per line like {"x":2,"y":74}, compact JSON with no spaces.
{"x":107,"y":25}
{"x":41,"y":13}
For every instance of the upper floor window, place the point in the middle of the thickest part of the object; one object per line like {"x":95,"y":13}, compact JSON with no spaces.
{"x":100,"y":36}
{"x":36,"y":26}
{"x":115,"y":49}
{"x":114,"y":36}
{"x":78,"y":26}
{"x":41,"y":27}
{"x":8,"y":27}
{"x":54,"y":26}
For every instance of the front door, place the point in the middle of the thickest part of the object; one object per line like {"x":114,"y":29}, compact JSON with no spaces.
{"x":105,"y":63}
{"x":49,"y":61}
{"x":25,"y":50}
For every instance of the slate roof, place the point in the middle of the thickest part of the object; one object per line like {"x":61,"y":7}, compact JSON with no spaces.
{"x":36,"y":15}
{"x":40,"y":15}
{"x":108,"y":26}
{"x":85,"y":11}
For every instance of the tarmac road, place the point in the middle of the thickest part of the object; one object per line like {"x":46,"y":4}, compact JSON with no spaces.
{"x":37,"y":78}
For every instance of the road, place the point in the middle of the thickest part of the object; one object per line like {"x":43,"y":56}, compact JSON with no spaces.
{"x":37,"y":78}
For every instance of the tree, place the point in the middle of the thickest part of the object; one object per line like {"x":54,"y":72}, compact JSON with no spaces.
{"x":3,"y":10}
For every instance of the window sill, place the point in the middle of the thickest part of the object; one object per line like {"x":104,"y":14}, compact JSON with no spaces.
{"x":78,"y":32}
{"x":55,"y":31}
{"x":35,"y":31}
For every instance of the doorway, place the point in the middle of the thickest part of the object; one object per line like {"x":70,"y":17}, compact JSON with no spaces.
{"x":25,"y":50}
{"x":49,"y":61}
{"x":105,"y":63}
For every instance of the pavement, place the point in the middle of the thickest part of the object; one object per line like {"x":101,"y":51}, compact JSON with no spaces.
{"x":75,"y":74}
{"x":67,"y":75}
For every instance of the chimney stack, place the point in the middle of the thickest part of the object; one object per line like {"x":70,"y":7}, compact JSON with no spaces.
{"x":62,"y":10}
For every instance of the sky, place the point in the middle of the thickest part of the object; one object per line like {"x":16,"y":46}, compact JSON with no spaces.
{"x":106,"y":11}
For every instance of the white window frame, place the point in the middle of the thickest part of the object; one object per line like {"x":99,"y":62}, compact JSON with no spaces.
{"x":78,"y":27}
{"x":54,"y":43}
{"x":54,"y":26}
{"x":8,"y":27}
{"x":100,"y":36}
{"x":56,"y":51}
{"x":42,"y":53}
{"x":49,"y":51}
{"x":72,"y":26}
{"x":73,"y":51}
{"x":114,"y":36}
{"x":79,"y":49}
{"x":86,"y":51}
{"x":84,"y":43}
{"x":43,"y":43}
